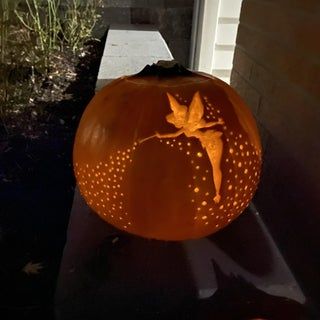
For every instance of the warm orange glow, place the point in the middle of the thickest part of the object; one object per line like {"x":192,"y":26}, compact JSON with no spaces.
{"x":171,"y":157}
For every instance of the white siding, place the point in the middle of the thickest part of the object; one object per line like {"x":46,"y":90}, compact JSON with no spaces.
{"x":226,"y":34}
{"x":215,"y":27}
{"x":225,"y":39}
{"x":223,"y":60}
{"x":230,"y":8}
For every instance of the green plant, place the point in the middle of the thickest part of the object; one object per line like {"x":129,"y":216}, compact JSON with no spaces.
{"x":42,"y":18}
{"x":33,"y":33}
{"x":4,"y":7}
{"x":79,"y":20}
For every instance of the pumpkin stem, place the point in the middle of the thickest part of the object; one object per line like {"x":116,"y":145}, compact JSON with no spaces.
{"x":164,"y":68}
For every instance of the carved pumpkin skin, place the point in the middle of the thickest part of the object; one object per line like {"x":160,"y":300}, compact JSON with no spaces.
{"x":164,"y":188}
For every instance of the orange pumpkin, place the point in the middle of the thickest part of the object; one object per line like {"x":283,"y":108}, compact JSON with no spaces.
{"x":167,"y":154}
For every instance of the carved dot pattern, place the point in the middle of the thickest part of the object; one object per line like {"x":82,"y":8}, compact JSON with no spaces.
{"x":240,"y":172}
{"x":101,"y":183}
{"x":101,"y":186}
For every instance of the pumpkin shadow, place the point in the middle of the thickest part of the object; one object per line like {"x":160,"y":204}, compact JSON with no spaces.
{"x":238,"y":299}
{"x":124,"y":275}
{"x":288,"y":198}
{"x":245,"y":242}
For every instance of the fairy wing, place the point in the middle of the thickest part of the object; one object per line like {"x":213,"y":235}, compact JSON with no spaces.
{"x":178,"y":109}
{"x":196,"y":110}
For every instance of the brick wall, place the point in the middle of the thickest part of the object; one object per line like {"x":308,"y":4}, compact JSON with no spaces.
{"x":173,"y":18}
{"x":276,"y":69}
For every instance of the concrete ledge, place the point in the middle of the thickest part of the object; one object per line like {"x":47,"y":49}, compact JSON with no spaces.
{"x":128,"y":49}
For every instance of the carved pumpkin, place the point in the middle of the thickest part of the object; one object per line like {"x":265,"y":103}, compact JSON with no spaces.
{"x":167,"y":154}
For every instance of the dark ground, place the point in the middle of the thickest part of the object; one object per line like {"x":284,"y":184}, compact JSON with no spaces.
{"x":37,"y":187}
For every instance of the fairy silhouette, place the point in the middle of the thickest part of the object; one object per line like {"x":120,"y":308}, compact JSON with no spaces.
{"x":189,"y":122}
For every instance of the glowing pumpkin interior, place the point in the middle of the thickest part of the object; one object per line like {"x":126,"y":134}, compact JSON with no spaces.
{"x":167,"y":155}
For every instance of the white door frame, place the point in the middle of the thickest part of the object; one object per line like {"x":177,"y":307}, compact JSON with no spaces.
{"x":204,"y":29}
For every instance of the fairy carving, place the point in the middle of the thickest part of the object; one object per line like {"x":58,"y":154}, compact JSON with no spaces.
{"x":190,"y":121}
